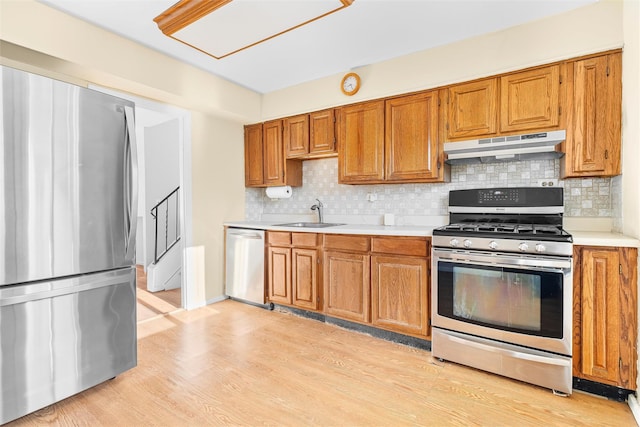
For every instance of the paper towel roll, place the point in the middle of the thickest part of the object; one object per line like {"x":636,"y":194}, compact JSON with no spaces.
{"x":283,"y":192}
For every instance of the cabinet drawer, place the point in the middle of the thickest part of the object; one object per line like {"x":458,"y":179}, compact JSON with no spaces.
{"x":400,"y":246}
{"x":305,"y":239}
{"x":349,"y":243}
{"x":279,"y":238}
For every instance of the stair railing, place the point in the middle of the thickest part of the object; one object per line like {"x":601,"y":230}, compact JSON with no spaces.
{"x":166,"y":216}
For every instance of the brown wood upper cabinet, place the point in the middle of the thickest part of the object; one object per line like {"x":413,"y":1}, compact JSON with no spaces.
{"x":472,"y":109}
{"x":594,"y":89}
{"x":253,"y":156}
{"x":605,"y":307}
{"x":393,"y":140}
{"x":412,"y":152}
{"x":265,"y":164}
{"x":523,"y":101}
{"x":361,"y":143}
{"x":309,"y":136}
{"x":530,"y":100}
{"x":322,"y":133}
{"x":296,"y":136}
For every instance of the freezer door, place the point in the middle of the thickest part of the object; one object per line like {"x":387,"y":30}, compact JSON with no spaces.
{"x":67,"y":190}
{"x":60,"y":337}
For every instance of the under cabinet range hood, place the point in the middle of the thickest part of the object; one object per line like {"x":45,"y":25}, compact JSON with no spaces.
{"x":538,"y":145}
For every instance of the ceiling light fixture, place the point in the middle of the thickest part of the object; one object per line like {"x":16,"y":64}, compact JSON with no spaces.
{"x":239,"y":24}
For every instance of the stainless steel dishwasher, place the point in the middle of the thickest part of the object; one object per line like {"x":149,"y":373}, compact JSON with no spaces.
{"x":244,"y":265}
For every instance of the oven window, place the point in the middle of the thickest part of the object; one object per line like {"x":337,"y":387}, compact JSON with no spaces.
{"x":525,"y":301}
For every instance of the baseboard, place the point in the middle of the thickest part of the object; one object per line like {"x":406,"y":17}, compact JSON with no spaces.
{"x":610,"y":392}
{"x":207,"y":302}
{"x":216,"y":299}
{"x":421,"y":343}
{"x":632,"y":400}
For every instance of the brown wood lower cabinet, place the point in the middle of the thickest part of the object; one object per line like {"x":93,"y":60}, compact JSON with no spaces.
{"x":292,"y":269}
{"x":605,"y":320}
{"x":400,"y":284}
{"x":399,"y":293}
{"x":279,"y":274}
{"x":346,"y":285}
{"x":304,"y":277}
{"x":379,"y":280}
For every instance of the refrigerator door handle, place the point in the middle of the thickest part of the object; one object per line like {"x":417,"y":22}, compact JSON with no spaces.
{"x":50,"y":289}
{"x":130,"y":183}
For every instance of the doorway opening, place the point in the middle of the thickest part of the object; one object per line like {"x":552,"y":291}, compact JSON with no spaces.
{"x":163,"y":142}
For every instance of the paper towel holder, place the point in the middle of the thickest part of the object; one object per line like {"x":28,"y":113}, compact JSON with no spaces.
{"x":282,"y":192}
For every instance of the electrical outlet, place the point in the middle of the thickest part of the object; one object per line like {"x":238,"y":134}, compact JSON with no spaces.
{"x":547,"y":183}
{"x":372,"y":197}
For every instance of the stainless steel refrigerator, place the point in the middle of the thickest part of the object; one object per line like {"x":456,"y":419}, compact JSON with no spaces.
{"x":67,"y":240}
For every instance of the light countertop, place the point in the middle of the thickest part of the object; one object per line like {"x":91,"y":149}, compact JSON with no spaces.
{"x":382,"y":230}
{"x":584,"y":238}
{"x":603,"y":238}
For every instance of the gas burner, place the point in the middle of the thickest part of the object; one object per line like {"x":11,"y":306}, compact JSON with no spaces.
{"x":546,"y":229}
{"x":504,"y":230}
{"x":528,"y":223}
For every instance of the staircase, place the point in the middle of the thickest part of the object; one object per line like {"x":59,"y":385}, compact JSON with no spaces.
{"x":166,"y":270}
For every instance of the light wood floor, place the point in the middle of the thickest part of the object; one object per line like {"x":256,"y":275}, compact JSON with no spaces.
{"x":153,"y":304}
{"x":234,"y":364}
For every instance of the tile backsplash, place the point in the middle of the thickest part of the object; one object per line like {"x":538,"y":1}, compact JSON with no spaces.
{"x":592,"y":197}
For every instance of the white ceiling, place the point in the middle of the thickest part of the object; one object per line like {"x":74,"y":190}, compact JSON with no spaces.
{"x":366,"y":32}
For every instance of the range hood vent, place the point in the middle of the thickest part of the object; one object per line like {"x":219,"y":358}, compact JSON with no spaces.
{"x":539,"y":145}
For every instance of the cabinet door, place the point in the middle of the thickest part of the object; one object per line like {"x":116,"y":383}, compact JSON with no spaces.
{"x":399,"y":294}
{"x":472,"y":109}
{"x":607,"y":318}
{"x":346,"y":285}
{"x":296,"y":136}
{"x":279,"y":272}
{"x":411,"y":138}
{"x":304,"y":278}
{"x":273,"y":153}
{"x":594,"y":103}
{"x":530,"y":100}
{"x":322,"y":129}
{"x":253,"y":160}
{"x":361,"y":143}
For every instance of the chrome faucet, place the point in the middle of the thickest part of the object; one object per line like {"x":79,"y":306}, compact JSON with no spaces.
{"x":318,"y":207}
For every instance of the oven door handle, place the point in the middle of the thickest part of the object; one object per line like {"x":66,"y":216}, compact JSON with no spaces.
{"x":511,"y":353}
{"x":505,"y":261}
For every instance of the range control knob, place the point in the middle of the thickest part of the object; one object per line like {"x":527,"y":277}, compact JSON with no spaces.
{"x":523,"y":247}
{"x":467,"y":243}
{"x":493,"y":244}
{"x":454,"y":242}
{"x":540,"y":247}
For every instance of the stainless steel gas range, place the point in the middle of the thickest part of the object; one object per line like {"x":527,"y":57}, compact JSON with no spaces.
{"x":502,"y":285}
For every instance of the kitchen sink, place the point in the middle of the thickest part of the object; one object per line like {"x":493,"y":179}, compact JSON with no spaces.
{"x":309,"y":224}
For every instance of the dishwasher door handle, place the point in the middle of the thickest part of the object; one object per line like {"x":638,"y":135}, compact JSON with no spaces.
{"x":246,"y":236}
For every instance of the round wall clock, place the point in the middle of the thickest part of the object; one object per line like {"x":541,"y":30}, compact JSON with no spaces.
{"x":350,"y":84}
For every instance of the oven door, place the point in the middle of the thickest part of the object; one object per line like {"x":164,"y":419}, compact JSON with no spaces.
{"x":513,"y":298}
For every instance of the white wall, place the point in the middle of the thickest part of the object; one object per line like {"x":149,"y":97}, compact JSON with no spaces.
{"x":144,"y":118}
{"x":631,"y":119}
{"x":37,"y":38}
{"x":162,"y":174}
{"x":589,"y":29}
{"x":631,"y":135}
